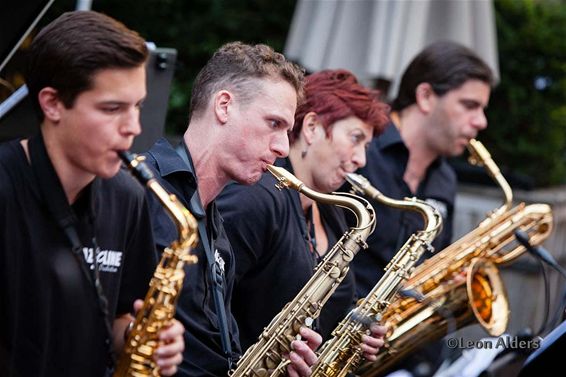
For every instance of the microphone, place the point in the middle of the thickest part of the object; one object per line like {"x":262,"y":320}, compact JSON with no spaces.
{"x":538,"y":251}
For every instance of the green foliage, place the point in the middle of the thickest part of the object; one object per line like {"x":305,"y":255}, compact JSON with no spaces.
{"x":527,"y":111}
{"x":196,"y":28}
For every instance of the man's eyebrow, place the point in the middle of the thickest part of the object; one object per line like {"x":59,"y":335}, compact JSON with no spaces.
{"x":281,"y":119}
{"x":472,"y":102}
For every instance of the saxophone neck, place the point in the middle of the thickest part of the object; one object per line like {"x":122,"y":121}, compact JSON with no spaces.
{"x":479,"y":156}
{"x":184,"y":221}
{"x":431,"y":216}
{"x":364,"y":212}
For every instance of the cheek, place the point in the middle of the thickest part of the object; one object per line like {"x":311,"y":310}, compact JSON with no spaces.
{"x":343,"y":151}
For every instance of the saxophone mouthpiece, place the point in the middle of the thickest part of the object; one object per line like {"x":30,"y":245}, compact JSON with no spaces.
{"x":478,"y":153}
{"x":359,"y":183}
{"x":285,"y":178}
{"x":136,"y":165}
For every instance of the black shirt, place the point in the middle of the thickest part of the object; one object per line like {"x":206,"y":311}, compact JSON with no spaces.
{"x":195,"y":309}
{"x":50,"y":322}
{"x":268,"y":232}
{"x":386,"y":163}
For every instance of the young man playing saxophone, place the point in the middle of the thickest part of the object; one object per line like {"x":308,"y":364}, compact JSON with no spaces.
{"x":75,"y":238}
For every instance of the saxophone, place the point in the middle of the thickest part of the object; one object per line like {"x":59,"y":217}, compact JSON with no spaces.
{"x":165,"y":286}
{"x":461,"y":284}
{"x":343,"y":353}
{"x":265,"y":358}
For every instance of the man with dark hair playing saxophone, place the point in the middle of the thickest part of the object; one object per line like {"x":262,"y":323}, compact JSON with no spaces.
{"x":438,"y":110}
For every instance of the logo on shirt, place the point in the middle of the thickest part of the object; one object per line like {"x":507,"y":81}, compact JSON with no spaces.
{"x":440,"y":207}
{"x":107,"y":260}
{"x":219,"y":261}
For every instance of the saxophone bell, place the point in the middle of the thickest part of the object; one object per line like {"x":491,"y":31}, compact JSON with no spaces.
{"x":481,"y":297}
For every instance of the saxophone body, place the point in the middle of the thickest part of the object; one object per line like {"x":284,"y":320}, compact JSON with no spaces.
{"x":165,"y":286}
{"x":342,"y":353}
{"x":461,"y":284}
{"x":266,"y":356}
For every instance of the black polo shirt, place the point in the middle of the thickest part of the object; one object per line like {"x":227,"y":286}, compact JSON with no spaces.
{"x":386,"y":163}
{"x":50,"y":323}
{"x":268,"y":232}
{"x":195,"y":309}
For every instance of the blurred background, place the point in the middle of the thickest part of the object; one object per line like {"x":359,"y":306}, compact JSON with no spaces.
{"x":524,"y":41}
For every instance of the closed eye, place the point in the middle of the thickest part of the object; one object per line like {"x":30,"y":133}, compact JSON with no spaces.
{"x":275,"y":124}
{"x":357,"y":138}
{"x":470,"y":104}
{"x":111,"y":109}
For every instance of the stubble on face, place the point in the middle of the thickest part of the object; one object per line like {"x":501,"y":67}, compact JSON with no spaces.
{"x":458,"y":117}
{"x":259,"y":130}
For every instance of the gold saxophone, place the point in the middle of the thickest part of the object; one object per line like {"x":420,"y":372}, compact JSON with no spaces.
{"x":165,"y":286}
{"x":461,"y":284}
{"x":342,"y":353}
{"x":266,"y":357}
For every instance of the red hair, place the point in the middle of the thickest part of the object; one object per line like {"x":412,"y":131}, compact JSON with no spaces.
{"x":336,"y":94}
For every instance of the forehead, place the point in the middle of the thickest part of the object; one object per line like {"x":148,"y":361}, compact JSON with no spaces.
{"x":127,"y":82}
{"x":275,"y":96}
{"x":352,"y":123}
{"x":476,"y":90}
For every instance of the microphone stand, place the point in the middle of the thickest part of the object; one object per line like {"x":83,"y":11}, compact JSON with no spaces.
{"x":542,"y":254}
{"x":539,"y":252}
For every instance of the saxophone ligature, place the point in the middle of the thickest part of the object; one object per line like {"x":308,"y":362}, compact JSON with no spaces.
{"x":343,"y":353}
{"x":266,"y":356}
{"x":165,"y":286}
{"x":463,"y":279}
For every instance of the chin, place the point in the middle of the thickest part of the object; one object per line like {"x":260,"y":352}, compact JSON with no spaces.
{"x":108,"y":173}
{"x":250,"y":179}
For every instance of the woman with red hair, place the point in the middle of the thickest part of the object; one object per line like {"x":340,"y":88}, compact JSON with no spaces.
{"x":279,"y":237}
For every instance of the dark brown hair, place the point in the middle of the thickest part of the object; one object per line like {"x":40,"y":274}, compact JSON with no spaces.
{"x":68,"y":52}
{"x":445,"y":66}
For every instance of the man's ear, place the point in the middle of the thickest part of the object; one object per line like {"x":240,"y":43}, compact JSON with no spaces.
{"x":50,"y":104}
{"x":425,"y":97}
{"x":222,"y":102}
{"x":309,"y":129}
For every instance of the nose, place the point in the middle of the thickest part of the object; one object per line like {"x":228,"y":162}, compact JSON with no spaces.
{"x":359,"y":156}
{"x":480,"y":121}
{"x":131,"y":125}
{"x":280,"y":145}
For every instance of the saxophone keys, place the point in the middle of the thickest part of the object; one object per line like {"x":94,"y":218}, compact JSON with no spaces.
{"x":347,"y":255}
{"x":309,"y":321}
{"x":261,"y":372}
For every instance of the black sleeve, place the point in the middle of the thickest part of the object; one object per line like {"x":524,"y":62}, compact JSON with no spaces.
{"x":249,"y":214}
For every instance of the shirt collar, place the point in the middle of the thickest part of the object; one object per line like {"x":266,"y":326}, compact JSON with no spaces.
{"x":168,"y":160}
{"x":389,"y":137}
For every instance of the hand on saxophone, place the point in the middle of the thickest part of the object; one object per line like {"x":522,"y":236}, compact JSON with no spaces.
{"x":373,"y":342}
{"x":170,"y":353}
{"x":303,"y":357}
